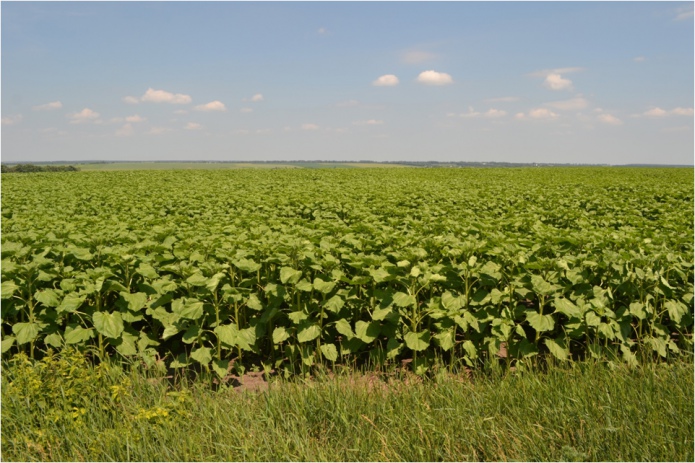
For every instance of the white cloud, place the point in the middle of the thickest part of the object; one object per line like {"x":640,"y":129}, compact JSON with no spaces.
{"x":212,"y":106}
{"x":159,"y":130}
{"x":609,"y":119}
{"x":491,"y":113}
{"x":86,"y":115}
{"x":684,"y":13}
{"x":241,"y":132}
{"x":557,"y":82}
{"x":263,"y":131}
{"x":387,"y":80}
{"x":246,"y":110}
{"x":48,"y":106}
{"x":416,"y":56}
{"x":572,"y":104}
{"x":125,"y":131}
{"x":193,"y":126}
{"x":547,"y":72}
{"x":434,"y":78}
{"x":541,"y":113}
{"x":639,"y":59}
{"x":257,"y":97}
{"x":494,"y":113}
{"x":682,"y":111}
{"x":537,"y":113}
{"x":369,"y":122}
{"x":504,"y":99}
{"x":471,"y":113}
{"x":310,"y":127}
{"x":162,"y":96}
{"x":180,"y":111}
{"x":130,"y":100}
{"x":12,"y":120}
{"x":657,"y":112}
{"x":135,"y":118}
{"x":322,"y":30}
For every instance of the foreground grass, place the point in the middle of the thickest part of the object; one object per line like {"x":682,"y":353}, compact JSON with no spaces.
{"x":64,"y":409}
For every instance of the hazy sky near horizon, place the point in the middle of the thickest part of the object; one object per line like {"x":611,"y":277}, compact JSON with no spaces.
{"x":579,"y":82}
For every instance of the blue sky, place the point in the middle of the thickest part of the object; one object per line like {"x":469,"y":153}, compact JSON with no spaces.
{"x":588,"y":82}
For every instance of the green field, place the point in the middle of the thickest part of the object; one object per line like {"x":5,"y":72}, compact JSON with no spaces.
{"x":108,"y":166}
{"x":566,"y":294}
{"x":286,"y":269}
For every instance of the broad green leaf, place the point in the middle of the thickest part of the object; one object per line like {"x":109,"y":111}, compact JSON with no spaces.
{"x":228,"y":334}
{"x":637,"y":310}
{"x":78,"y":335}
{"x":191,"y":334}
{"x":540,"y":322}
{"x":147,"y":271}
{"x":451,"y":302}
{"x":202,"y":355}
{"x":191,"y":309}
{"x":334,"y":304}
{"x":676,"y":310}
{"x":25,"y":332}
{"x":54,"y":340}
{"x":417,"y":341}
{"x":324,"y":287}
{"x":280,"y":334}
{"x":7,"y":343}
{"x":329,"y":352}
{"x":343,"y":327}
{"x":48,"y":297}
{"x":288,"y":275}
{"x":380,"y":275}
{"x":8,"y":289}
{"x":108,"y":324}
{"x":308,"y":331}
{"x":126,"y":344}
{"x":567,"y":307}
{"x":304,"y":285}
{"x":220,"y":367}
{"x":470,"y":349}
{"x":445,"y":339}
{"x":197,"y":279}
{"x":393,"y":348}
{"x":180,"y":362}
{"x":403,"y":299}
{"x":381,"y":314}
{"x":541,"y":286}
{"x":254,"y":303}
{"x":70,"y":303}
{"x":367,"y":332}
{"x":557,"y":348}
{"x":134,"y":301}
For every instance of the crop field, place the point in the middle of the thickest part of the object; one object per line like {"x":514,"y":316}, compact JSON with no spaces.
{"x":288,"y":269}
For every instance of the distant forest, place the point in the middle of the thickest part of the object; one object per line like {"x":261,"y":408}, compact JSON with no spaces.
{"x":25,"y":168}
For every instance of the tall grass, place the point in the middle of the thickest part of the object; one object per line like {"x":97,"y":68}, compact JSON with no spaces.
{"x":62,"y":408}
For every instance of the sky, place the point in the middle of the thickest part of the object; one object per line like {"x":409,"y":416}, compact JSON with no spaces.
{"x":547,"y":82}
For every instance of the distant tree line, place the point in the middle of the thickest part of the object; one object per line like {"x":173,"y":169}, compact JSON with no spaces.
{"x":25,"y":168}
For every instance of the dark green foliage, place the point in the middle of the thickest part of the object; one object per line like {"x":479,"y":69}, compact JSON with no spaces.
{"x":288,"y":269}
{"x":28,"y":168}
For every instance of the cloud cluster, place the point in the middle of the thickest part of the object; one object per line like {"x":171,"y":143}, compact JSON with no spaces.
{"x":135,"y":118}
{"x":537,"y":114}
{"x":657,"y":112}
{"x":491,"y":113}
{"x":557,"y":82}
{"x":48,"y":106}
{"x":387,"y":80}
{"x":310,"y":126}
{"x":162,"y":96}
{"x":212,"y":106}
{"x":84,"y":116}
{"x":369,"y":122}
{"x":11,"y":120}
{"x":434,"y":78}
{"x":193,"y":126}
